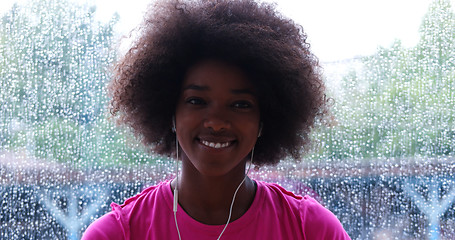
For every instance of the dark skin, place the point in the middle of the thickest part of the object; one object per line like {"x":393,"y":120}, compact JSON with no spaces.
{"x":208,"y":200}
{"x":217,"y":125}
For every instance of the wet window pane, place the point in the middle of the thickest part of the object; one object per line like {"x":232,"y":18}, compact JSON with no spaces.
{"x":383,"y":160}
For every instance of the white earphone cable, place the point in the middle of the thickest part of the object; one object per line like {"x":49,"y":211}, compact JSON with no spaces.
{"x":235,"y":193}
{"x":176,"y":192}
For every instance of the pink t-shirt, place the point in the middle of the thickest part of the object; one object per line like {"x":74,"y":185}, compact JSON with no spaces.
{"x":274,"y":214}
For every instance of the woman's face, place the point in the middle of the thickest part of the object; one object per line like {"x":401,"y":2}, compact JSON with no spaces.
{"x":217,"y":117}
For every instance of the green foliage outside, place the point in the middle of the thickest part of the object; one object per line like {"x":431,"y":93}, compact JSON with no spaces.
{"x":54,"y":65}
{"x":402,"y":103}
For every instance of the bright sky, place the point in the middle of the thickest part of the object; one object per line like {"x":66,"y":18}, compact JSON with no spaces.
{"x":336,"y":29}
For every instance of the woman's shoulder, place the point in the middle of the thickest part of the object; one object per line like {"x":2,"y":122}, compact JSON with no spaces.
{"x":145,"y":195}
{"x":115,"y":224}
{"x":317,"y":221}
{"x":276,"y":193}
{"x":107,"y":227}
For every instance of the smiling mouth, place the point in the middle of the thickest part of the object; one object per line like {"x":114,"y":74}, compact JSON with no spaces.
{"x":216,"y":144}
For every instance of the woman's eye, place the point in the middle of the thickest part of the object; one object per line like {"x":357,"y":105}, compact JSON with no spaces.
{"x":242,"y":104}
{"x":195,"y":101}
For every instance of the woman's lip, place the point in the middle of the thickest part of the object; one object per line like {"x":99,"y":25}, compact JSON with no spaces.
{"x":216,"y":139}
{"x":217,"y":144}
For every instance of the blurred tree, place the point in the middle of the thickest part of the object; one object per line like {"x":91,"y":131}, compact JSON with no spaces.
{"x":401,"y":104}
{"x":55,"y":57}
{"x":54,"y":60}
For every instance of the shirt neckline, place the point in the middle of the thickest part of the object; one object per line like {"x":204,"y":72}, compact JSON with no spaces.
{"x":188,"y":222}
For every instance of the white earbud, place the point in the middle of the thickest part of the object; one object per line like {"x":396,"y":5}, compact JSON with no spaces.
{"x":260,"y":129}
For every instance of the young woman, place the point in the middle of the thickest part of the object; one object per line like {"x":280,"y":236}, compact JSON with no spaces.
{"x":220,"y":85}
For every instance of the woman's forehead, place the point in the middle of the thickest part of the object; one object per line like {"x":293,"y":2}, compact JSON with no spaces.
{"x":210,"y":74}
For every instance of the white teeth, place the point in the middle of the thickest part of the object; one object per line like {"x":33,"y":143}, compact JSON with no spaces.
{"x":215,"y":145}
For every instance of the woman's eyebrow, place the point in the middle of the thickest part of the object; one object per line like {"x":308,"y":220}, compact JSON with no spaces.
{"x":196,"y":87}
{"x":243,"y":91}
{"x":248,"y":91}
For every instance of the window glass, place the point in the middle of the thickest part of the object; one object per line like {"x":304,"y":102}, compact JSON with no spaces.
{"x":383,"y":159}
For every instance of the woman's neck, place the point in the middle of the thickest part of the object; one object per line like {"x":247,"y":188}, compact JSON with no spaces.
{"x":208,"y":198}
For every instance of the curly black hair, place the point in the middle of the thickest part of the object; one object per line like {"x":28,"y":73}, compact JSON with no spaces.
{"x":270,"y":49}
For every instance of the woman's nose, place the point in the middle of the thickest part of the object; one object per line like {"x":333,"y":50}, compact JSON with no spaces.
{"x":217,"y":120}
